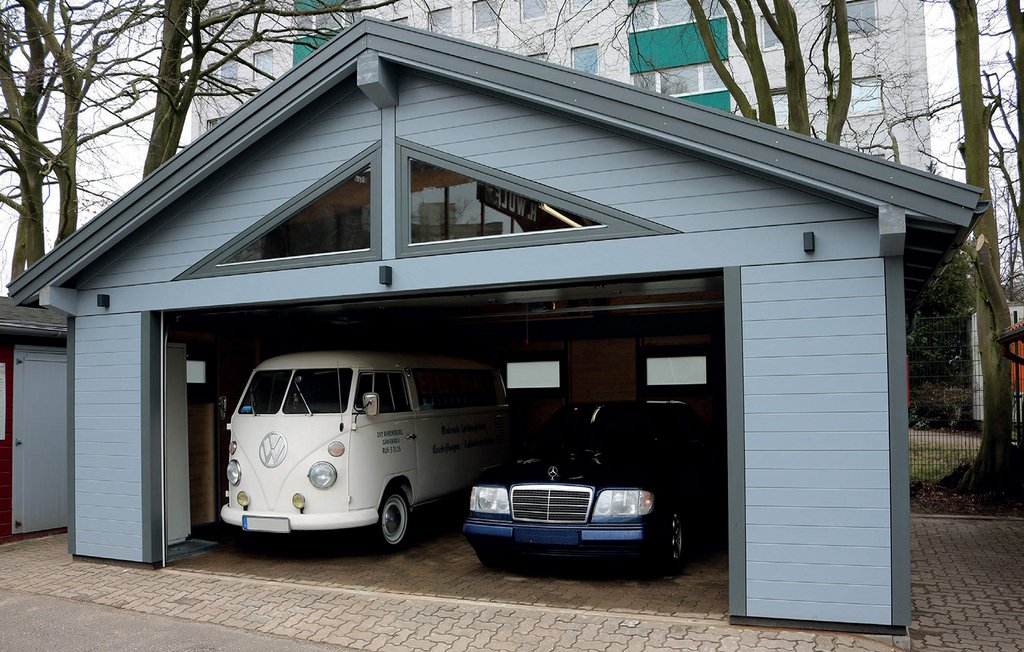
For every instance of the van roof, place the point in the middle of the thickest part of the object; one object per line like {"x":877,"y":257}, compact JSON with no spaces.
{"x":367,"y":359}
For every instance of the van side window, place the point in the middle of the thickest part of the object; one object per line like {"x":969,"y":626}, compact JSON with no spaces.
{"x":390,"y":386}
{"x":440,"y":389}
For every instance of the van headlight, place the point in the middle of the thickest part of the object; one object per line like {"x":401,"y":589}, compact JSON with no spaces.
{"x":322,"y":475}
{"x":234,"y":473}
{"x":623,"y":503}
{"x":489,"y":500}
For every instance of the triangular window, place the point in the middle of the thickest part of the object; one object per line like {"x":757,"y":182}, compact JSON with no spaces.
{"x":449,"y":204}
{"x":337,"y":221}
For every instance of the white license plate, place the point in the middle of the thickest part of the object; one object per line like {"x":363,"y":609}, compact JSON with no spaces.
{"x":266,"y":524}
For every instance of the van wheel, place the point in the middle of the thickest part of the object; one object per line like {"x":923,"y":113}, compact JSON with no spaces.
{"x":394,"y":520}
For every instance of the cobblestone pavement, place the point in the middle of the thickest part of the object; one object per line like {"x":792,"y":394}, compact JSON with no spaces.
{"x":968,"y":581}
{"x":367,"y":619}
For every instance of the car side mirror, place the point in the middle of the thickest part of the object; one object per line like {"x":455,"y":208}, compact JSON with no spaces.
{"x":371,"y":404}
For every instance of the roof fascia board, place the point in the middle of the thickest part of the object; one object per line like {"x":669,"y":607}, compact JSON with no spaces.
{"x":294,"y":90}
{"x":733,"y":140}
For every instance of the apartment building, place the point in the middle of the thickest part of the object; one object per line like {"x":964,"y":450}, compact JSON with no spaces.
{"x":655,"y":45}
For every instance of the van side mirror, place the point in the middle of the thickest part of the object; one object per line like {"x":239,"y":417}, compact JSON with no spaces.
{"x":371,"y":404}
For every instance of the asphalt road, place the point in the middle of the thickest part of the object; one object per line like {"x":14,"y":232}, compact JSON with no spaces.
{"x":32,"y":622}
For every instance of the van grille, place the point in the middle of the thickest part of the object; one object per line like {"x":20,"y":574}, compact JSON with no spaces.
{"x":551,"y":503}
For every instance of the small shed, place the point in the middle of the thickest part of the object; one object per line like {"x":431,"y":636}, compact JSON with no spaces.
{"x":401,"y":189}
{"x":33,"y":426}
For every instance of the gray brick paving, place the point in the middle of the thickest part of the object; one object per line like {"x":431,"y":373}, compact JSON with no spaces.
{"x":369,"y":619}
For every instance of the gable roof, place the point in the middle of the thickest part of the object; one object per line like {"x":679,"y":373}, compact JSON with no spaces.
{"x":941,"y":209}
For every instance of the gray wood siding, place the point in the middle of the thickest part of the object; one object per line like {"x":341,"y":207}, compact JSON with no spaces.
{"x":680,"y":191}
{"x":108,"y":444}
{"x":303,"y":154}
{"x":817,"y":442}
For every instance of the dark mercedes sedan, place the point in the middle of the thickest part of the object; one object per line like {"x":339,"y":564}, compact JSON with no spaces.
{"x":601,"y":480}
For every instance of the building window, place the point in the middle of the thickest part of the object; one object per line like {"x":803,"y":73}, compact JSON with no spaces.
{"x":679,"y":370}
{"x":543,"y":56}
{"x":263,"y":62}
{"x":542,"y":374}
{"x":440,"y":21}
{"x":866,"y":96}
{"x":687,"y":80}
{"x":584,"y":59}
{"x":533,"y":9}
{"x":484,"y":16}
{"x":213,"y":122}
{"x":446,"y":205}
{"x":663,"y":13}
{"x":862,"y":18}
{"x":228,"y":71}
{"x":580,"y":5}
{"x":769,"y":39}
{"x":780,"y":100}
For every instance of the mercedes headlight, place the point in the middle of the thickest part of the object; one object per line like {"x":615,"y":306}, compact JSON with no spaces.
{"x":234,"y":473}
{"x":623,"y":503}
{"x":322,"y":475}
{"x":489,"y":500}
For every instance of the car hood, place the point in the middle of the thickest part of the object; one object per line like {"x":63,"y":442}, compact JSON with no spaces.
{"x":584,"y":468}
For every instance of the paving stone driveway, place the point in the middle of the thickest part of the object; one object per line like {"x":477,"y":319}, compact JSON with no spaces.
{"x":366,"y":619}
{"x":968,"y":577}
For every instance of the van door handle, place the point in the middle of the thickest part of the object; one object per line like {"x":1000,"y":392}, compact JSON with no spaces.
{"x":411,"y":435}
{"x":17,"y":442}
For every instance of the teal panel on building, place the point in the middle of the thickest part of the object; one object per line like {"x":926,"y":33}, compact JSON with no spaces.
{"x":304,"y":47}
{"x":671,"y":47}
{"x":715,"y":100}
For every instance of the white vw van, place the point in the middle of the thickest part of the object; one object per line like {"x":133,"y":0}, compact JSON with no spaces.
{"x":345,"y":439}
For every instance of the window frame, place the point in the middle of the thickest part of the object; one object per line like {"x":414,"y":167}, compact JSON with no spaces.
{"x":215,"y":263}
{"x":656,"y":16}
{"x":854,"y":25}
{"x":767,"y":31}
{"x":257,"y":69}
{"x":525,"y":18}
{"x":701,"y":83}
{"x":597,"y":58}
{"x":877,"y":82}
{"x":613,"y":223}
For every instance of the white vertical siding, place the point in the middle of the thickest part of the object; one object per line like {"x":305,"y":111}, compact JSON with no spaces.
{"x":108,"y":441}
{"x":817,"y":442}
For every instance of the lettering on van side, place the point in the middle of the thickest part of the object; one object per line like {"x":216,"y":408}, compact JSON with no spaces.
{"x":390,"y":441}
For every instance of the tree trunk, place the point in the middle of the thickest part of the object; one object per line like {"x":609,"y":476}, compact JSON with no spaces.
{"x":991,"y":468}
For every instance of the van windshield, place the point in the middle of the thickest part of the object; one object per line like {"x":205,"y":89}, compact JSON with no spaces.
{"x":318,"y":391}
{"x":265,"y":392}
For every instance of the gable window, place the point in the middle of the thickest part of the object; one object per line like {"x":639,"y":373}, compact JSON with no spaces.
{"x":337,"y":221}
{"x":533,"y":9}
{"x":440,"y":21}
{"x":484,"y":16}
{"x":866,"y":96}
{"x":679,"y":82}
{"x":584,"y":59}
{"x":447,"y":205}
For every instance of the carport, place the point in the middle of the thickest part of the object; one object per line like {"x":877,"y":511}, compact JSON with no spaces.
{"x":637,"y":226}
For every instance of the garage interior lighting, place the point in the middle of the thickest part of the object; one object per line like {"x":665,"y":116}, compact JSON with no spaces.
{"x":551,"y":211}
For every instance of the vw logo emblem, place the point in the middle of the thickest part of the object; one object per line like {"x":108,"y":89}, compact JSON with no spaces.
{"x":273,"y":449}
{"x":552,"y":472}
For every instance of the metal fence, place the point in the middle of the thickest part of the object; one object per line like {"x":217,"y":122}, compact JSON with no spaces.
{"x":945,"y":396}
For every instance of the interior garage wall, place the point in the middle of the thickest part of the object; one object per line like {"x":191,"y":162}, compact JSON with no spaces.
{"x":108,"y":491}
{"x":815,"y":374}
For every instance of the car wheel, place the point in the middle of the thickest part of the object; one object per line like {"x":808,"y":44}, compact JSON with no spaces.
{"x":675,"y":546}
{"x":393,"y":525}
{"x":490,"y":561}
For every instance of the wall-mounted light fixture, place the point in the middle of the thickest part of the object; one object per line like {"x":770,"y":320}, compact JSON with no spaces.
{"x":385,"y":274}
{"x":809,"y":242}
{"x":102,"y":300}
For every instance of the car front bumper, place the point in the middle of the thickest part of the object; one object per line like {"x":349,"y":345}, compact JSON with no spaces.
{"x":500,"y":538}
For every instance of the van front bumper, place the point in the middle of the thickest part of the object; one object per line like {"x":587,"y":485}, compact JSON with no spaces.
{"x":333,"y":521}
{"x":501,"y":538}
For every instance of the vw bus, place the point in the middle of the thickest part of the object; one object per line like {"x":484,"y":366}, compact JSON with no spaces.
{"x":332,"y":440}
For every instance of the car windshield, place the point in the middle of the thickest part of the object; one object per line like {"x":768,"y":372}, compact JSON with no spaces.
{"x":318,"y":391}
{"x":265,"y":392}
{"x":625,"y":430}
